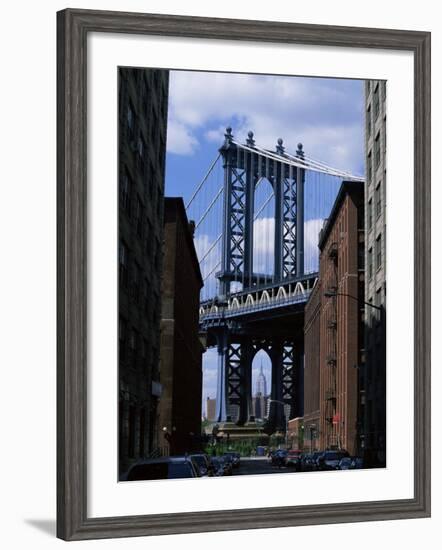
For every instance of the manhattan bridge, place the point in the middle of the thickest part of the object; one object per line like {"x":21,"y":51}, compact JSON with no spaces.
{"x":257,"y":218}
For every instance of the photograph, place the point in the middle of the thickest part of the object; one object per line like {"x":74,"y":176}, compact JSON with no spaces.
{"x":251,"y":274}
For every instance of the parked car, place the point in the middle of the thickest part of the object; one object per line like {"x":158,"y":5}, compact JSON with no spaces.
{"x":221,"y":466}
{"x":357,"y":463}
{"x":293,"y":459}
{"x":235,"y":457}
{"x":306,"y":464}
{"x":315,"y":459}
{"x":345,"y":463}
{"x":279,"y":457}
{"x":330,"y":459}
{"x":217,"y":465}
{"x":171,"y":467}
{"x":203,"y":463}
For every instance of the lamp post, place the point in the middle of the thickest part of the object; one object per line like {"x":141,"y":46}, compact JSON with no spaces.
{"x":312,"y":429}
{"x":286,"y":418}
{"x":333,"y":294}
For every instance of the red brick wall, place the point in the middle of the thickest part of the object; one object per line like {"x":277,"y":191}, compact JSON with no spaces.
{"x":339,"y":325}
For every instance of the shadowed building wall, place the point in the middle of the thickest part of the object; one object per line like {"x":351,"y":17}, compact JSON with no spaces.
{"x":143,"y":99}
{"x":181,"y":349}
{"x":373,"y":402}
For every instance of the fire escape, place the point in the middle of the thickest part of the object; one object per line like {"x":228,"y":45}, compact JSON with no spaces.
{"x":331,"y":358}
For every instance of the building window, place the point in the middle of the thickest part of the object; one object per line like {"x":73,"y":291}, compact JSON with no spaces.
{"x":141,"y":146}
{"x":378,"y":302}
{"x":378,"y":200}
{"x":370,"y":214}
{"x":384,"y":134}
{"x":378,"y":252}
{"x":369,"y":121}
{"x":370,"y":263}
{"x":122,"y":330}
{"x":158,"y":258}
{"x":369,"y":168}
{"x":123,"y":261}
{"x":130,"y":119}
{"x":377,"y":150}
{"x":154,"y":132}
{"x":151,"y":179}
{"x":146,"y":297}
{"x":125,"y":187}
{"x":135,"y":281}
{"x":144,"y":349}
{"x":378,"y":297}
{"x":131,"y":438}
{"x":376,"y":101}
{"x":138,"y":215}
{"x":142,"y":430}
{"x":133,"y":344}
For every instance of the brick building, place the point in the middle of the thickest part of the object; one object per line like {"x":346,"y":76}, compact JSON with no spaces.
{"x":341,"y":275}
{"x":143,"y":100}
{"x":181,"y":350}
{"x":211,"y":409}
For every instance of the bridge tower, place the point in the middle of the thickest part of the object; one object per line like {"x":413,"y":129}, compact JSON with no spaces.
{"x":237,"y":343}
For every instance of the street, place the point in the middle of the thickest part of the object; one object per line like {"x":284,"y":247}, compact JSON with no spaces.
{"x":258,"y":465}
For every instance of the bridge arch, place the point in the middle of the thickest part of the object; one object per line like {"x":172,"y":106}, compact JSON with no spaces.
{"x":281,"y":293}
{"x":250,"y":300}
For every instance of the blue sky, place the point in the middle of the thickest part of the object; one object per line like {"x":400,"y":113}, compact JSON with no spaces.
{"x":326,"y":115}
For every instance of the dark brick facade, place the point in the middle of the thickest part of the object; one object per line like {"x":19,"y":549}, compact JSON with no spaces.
{"x":143,"y":99}
{"x":181,"y":350}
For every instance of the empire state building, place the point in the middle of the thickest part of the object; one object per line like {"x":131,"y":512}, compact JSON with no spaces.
{"x":261,"y":383}
{"x":261,"y":397}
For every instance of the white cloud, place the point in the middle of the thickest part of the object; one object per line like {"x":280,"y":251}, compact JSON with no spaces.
{"x":311,"y":237}
{"x":263,"y":245}
{"x":180,"y":139}
{"x":202,"y":245}
{"x":325,"y":114}
{"x":210,"y":373}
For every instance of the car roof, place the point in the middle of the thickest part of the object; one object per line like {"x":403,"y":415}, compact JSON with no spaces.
{"x":164,"y":459}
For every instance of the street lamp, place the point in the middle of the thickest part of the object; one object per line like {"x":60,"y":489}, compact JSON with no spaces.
{"x":312,"y":430}
{"x":286,"y":419}
{"x":333,"y":294}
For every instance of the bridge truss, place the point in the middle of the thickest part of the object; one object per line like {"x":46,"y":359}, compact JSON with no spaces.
{"x":250,"y":305}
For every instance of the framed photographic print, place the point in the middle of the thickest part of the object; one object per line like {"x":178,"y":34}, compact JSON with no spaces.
{"x":233,"y":198}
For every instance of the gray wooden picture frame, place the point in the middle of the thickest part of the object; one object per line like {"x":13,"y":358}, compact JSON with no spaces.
{"x":73,"y":27}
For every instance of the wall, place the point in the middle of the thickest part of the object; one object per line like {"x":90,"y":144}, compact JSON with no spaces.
{"x":27,"y":215}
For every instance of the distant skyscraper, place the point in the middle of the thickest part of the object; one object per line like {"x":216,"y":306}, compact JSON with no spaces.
{"x":261,"y":383}
{"x":259,"y":401}
{"x":211,"y":409}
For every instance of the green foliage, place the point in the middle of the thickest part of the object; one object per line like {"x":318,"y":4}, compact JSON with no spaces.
{"x":245,"y":447}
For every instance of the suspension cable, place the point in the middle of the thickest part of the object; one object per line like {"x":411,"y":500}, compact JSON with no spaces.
{"x":220,"y":190}
{"x":203,"y":181}
{"x":213,"y":271}
{"x":306,"y":163}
